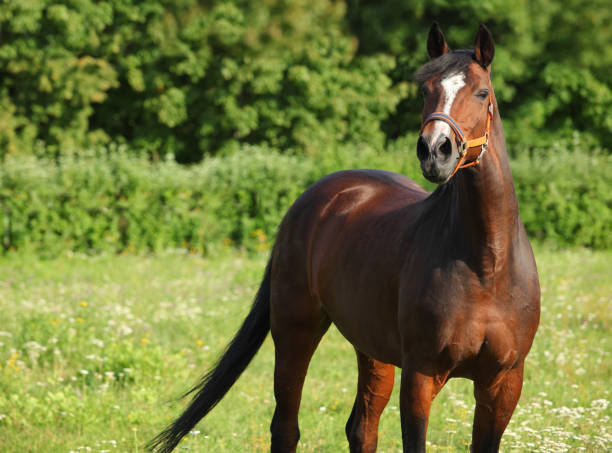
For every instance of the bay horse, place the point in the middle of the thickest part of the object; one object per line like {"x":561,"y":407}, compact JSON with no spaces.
{"x":440,"y":285}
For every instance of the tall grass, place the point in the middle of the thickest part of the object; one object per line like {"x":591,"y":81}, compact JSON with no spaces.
{"x":94,"y":352}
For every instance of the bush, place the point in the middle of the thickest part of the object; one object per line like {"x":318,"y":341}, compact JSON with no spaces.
{"x":181,"y":78}
{"x":190,"y":77}
{"x":565,"y":195}
{"x":114,"y":202}
{"x":111,"y":201}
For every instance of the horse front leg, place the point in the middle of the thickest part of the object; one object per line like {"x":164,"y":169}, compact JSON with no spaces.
{"x":416,"y":395}
{"x":495,"y":403}
{"x":374,"y":388}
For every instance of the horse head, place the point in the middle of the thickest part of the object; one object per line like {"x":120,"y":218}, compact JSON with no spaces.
{"x":458,"y":105}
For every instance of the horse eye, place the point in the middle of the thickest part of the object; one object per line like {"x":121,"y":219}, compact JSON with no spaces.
{"x":482,"y":94}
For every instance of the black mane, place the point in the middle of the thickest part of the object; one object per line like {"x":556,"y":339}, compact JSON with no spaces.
{"x":452,"y":62}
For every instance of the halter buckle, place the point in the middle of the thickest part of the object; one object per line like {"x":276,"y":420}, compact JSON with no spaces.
{"x":483,"y":149}
{"x":462,"y":149}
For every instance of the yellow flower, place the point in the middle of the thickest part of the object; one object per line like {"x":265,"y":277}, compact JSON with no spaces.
{"x":200,"y":343}
{"x":79,"y":319}
{"x":144,"y":340}
{"x":84,"y":304}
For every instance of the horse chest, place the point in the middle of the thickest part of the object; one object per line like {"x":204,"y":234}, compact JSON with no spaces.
{"x":484,"y":339}
{"x":464,"y":327}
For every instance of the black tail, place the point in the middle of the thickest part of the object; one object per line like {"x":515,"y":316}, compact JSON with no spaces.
{"x":215,"y":384}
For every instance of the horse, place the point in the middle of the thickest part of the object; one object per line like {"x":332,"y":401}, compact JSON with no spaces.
{"x":441,"y":285}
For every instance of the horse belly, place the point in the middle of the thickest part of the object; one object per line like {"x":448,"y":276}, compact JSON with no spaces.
{"x":367,"y":324}
{"x":358,"y":292}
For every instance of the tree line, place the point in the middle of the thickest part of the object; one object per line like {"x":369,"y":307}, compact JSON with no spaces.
{"x":187,"y":79}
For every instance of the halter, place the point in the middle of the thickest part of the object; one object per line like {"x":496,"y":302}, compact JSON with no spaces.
{"x":464,"y":145}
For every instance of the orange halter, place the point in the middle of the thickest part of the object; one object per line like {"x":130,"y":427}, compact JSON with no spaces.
{"x":465,"y":145}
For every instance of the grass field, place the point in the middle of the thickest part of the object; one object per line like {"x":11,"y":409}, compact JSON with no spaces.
{"x":94,"y":352}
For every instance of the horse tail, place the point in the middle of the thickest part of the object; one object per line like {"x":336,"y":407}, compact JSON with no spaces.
{"x":216,"y":383}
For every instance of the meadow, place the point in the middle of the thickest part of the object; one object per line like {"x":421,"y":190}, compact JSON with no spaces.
{"x":95,"y":351}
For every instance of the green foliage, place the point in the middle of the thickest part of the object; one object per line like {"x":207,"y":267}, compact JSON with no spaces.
{"x":114,"y":202}
{"x":564,"y":195}
{"x":190,"y":78}
{"x":52,"y":73}
{"x":117,"y":203}
{"x":186,"y":77}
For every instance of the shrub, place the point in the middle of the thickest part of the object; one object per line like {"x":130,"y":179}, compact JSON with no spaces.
{"x":565,"y":195}
{"x":111,"y":201}
{"x":114,"y":202}
{"x":186,"y":77}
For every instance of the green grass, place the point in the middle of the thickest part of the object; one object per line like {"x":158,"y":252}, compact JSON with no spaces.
{"x":94,"y":352}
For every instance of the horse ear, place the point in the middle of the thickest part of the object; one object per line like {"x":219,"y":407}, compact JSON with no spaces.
{"x":436,"y":42}
{"x":484,"y":48}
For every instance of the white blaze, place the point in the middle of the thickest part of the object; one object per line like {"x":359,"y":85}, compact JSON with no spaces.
{"x":450,"y":87}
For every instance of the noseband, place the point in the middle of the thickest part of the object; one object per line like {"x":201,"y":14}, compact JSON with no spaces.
{"x":464,"y":145}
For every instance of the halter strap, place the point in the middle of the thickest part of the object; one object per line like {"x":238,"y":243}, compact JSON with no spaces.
{"x":464,"y":145}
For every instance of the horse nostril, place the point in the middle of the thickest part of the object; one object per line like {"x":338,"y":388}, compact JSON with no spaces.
{"x":445,"y":146}
{"x":422,"y":148}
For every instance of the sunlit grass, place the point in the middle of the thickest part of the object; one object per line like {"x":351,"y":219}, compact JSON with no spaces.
{"x":94,"y":352}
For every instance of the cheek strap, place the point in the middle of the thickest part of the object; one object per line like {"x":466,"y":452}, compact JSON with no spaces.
{"x":465,"y":146}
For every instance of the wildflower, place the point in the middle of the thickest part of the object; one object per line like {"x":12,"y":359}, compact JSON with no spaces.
{"x":97,"y":342}
{"x":83,"y":304}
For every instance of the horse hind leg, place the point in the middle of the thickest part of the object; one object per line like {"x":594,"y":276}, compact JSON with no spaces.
{"x":298,"y":324}
{"x":374,"y":387}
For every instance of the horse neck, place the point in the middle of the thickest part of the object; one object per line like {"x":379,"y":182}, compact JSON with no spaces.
{"x":487,"y":199}
{"x":481,"y":208}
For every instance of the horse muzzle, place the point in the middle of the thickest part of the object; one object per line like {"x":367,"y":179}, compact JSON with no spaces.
{"x":437,"y":162}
